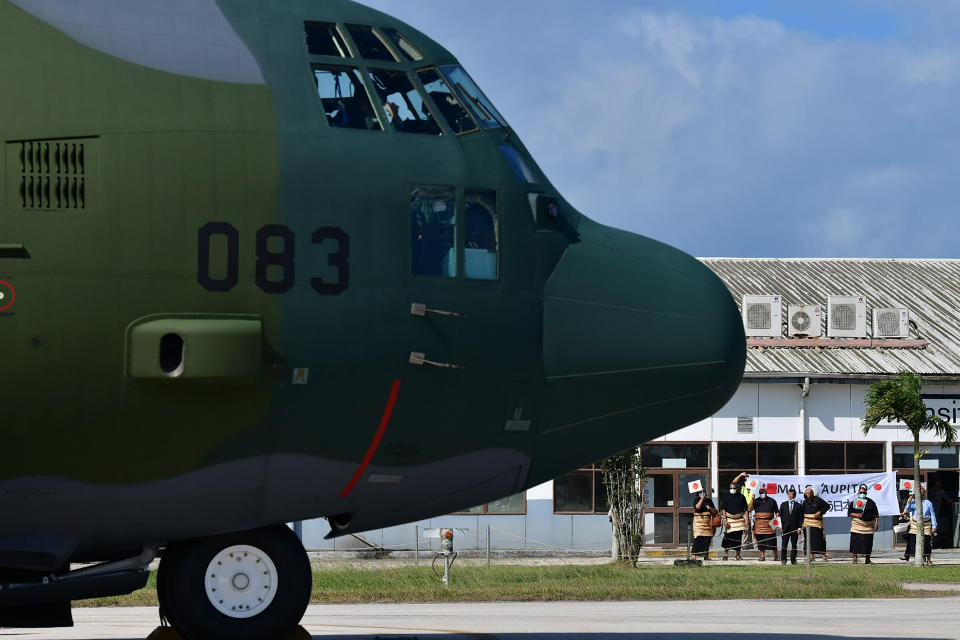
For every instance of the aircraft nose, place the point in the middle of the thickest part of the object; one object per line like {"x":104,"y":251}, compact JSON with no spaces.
{"x":636,"y":333}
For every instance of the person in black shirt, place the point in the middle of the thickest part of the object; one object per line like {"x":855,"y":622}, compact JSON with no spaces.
{"x":791,"y":519}
{"x":813,"y":509}
{"x":734,"y":507}
{"x":765,"y":509}
{"x":863,"y":515}
{"x":703,"y":512}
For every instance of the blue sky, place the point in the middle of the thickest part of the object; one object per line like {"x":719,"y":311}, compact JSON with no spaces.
{"x":731,"y":127}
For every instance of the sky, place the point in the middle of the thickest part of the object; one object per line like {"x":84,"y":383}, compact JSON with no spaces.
{"x":768,"y":128}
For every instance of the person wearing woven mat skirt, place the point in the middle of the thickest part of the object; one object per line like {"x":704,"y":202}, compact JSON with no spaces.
{"x":765,"y":509}
{"x":703,"y":530}
{"x":928,"y":520}
{"x":734,"y":507}
{"x":864,"y":516}
{"x":814,"y":507}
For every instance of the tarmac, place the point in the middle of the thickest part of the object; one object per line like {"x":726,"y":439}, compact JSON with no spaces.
{"x":741,"y":619}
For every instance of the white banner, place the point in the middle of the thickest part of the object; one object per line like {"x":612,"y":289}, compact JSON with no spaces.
{"x":837,"y":490}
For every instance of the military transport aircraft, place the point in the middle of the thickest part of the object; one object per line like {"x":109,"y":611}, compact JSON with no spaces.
{"x":270,"y":260}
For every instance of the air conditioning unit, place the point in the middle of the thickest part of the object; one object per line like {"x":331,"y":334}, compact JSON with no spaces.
{"x":847,"y":317}
{"x":762,"y":316}
{"x":805,"y":320}
{"x":891,"y":323}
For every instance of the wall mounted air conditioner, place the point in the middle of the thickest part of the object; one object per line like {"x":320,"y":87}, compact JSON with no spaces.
{"x":891,"y":323}
{"x":805,"y":320}
{"x":847,"y":317}
{"x":762,"y":316}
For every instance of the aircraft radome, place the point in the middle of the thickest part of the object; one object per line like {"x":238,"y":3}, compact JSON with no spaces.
{"x":270,"y":260}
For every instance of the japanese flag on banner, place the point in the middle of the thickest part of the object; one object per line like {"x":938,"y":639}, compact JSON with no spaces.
{"x":695,"y":486}
{"x":775,"y":523}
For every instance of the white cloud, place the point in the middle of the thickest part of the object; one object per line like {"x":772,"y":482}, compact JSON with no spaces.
{"x":726,"y":136}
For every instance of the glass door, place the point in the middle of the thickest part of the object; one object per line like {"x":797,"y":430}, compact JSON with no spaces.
{"x":668,"y":505}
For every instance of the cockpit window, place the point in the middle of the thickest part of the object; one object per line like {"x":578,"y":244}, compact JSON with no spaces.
{"x":481,"y":107}
{"x":369,"y":45}
{"x":403,"y":104}
{"x":344,"y":98}
{"x":447,"y":102}
{"x":482,"y":230}
{"x":433,"y":231}
{"x":403,"y":45}
{"x":323,"y":39}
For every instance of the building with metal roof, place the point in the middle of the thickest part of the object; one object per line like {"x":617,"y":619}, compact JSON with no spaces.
{"x":930,"y":289}
{"x":797,"y":411}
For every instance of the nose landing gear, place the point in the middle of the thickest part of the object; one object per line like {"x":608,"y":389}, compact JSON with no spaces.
{"x":238,"y":586}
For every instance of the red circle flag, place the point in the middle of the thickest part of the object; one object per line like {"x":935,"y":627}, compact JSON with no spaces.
{"x":907,"y":485}
{"x":859,"y":503}
{"x":878,"y":486}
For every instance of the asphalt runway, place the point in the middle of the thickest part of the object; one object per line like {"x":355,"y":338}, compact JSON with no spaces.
{"x":740,"y":619}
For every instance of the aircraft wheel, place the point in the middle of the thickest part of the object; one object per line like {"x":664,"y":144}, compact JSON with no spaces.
{"x":239,"y":586}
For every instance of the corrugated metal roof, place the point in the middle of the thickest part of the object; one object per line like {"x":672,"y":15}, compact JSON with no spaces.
{"x":929,"y":288}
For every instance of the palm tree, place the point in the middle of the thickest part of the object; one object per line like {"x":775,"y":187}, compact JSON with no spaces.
{"x":901,"y":400}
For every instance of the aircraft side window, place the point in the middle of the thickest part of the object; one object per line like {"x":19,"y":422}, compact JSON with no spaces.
{"x":480,"y":105}
{"x":447,"y":102}
{"x":323,"y":39}
{"x":403,"y":104}
{"x":433,"y":231}
{"x":482,"y":235}
{"x":369,"y":44}
{"x":404,"y":46}
{"x":344,"y":98}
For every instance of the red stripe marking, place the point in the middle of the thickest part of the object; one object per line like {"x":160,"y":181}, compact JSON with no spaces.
{"x":377,"y":437}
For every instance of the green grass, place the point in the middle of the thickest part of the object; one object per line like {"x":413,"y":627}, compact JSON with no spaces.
{"x":604,"y":582}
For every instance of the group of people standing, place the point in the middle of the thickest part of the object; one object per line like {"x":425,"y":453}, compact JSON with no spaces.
{"x":733,"y":515}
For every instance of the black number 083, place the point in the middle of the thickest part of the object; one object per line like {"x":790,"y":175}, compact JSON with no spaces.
{"x":283,"y":260}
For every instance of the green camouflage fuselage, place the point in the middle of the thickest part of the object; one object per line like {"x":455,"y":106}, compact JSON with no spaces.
{"x":219,"y":210}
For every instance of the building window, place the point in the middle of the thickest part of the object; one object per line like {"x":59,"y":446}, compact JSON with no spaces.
{"x":845,"y":457}
{"x":775,"y":458}
{"x":580,"y":492}
{"x":942,"y":457}
{"x":515,"y":505}
{"x":670,"y":455}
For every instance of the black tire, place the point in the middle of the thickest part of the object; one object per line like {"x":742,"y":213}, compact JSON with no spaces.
{"x":181,"y":587}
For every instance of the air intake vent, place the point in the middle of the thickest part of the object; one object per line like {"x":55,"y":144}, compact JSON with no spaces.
{"x":762,"y":316}
{"x":891,"y":323}
{"x":54,"y":174}
{"x":847,"y":317}
{"x":744,"y":425}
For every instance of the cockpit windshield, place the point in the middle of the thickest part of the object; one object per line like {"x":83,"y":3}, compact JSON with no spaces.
{"x":484,"y":111}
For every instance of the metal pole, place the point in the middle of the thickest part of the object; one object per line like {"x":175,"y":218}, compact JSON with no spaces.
{"x":416,"y":545}
{"x":809,"y":554}
{"x":446,"y":571}
{"x":689,"y":538}
{"x":488,"y":546}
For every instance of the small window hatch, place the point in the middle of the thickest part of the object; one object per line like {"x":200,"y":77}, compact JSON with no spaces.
{"x":745,"y":425}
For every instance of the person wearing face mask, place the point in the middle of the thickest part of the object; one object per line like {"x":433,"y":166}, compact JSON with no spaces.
{"x":927,"y":520}
{"x":703,"y":512}
{"x":765,"y":509}
{"x":863,"y":515}
{"x":734,"y":507}
{"x":814,"y":507}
